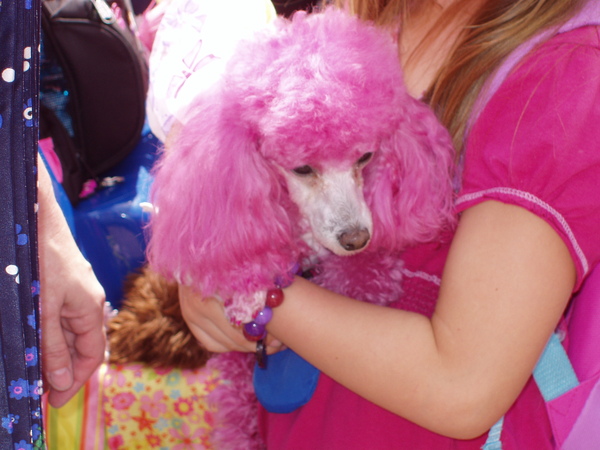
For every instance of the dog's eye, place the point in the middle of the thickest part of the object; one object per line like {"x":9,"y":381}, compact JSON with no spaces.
{"x":364,"y":159}
{"x":303,"y":170}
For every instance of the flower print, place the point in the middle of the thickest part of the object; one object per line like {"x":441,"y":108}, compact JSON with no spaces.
{"x":176,"y":422}
{"x":195,"y":417}
{"x":188,"y":439}
{"x":35,"y":390}
{"x":23,"y":446}
{"x":9,"y":421}
{"x":35,"y":288}
{"x":28,"y":113}
{"x":137,"y":370}
{"x":173,"y":378}
{"x":36,"y":414}
{"x":31,"y":321}
{"x":144,"y":422}
{"x":31,"y":356}
{"x":36,"y":431}
{"x":162,"y":424}
{"x":196,"y":376}
{"x":116,"y":442}
{"x":183,"y":406}
{"x":205,"y":441}
{"x":13,"y":270}
{"x":21,"y":237}
{"x":116,"y":375}
{"x":155,"y":405}
{"x":163,"y":370}
{"x":212,"y":383}
{"x":19,"y":389}
{"x":153,"y":440}
{"x":123,"y":400}
{"x":108,"y":418}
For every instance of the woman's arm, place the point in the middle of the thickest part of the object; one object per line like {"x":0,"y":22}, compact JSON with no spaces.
{"x":72,"y":299}
{"x":506,"y":283}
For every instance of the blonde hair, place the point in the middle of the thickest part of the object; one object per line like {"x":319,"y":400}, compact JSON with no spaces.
{"x":493,"y":33}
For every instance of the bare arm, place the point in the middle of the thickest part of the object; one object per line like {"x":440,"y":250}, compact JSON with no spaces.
{"x":73,"y":339}
{"x":507,"y":280}
{"x":506,"y":283}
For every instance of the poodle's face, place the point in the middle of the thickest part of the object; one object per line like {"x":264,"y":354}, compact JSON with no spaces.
{"x":330,"y":198}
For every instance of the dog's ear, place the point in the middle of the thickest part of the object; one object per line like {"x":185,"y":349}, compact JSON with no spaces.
{"x":221,"y":221}
{"x":409,"y":184}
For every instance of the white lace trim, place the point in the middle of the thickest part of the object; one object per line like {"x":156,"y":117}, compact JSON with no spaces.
{"x":423,"y":275}
{"x":536,"y":201}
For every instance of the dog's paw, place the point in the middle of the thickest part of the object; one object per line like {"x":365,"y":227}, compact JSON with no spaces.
{"x":242,"y":307}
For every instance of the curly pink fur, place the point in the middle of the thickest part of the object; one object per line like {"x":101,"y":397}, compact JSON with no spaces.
{"x":317,"y":89}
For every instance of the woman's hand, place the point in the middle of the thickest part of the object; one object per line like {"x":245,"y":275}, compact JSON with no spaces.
{"x":72,"y":299}
{"x":207,"y":321}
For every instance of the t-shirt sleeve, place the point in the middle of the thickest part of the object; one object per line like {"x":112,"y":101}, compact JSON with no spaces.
{"x":536,"y":144}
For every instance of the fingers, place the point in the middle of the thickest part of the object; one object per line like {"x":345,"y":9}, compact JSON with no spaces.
{"x":67,"y":375}
{"x":56,"y":356}
{"x":207,"y":321}
{"x":73,"y":336}
{"x":84,"y":364}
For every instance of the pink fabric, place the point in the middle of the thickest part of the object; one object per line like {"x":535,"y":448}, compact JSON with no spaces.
{"x":532,"y":146}
{"x":47,"y":147}
{"x":584,"y":332}
{"x":575,"y":415}
{"x":565,"y":410}
{"x":536,"y":147}
{"x":585,"y":433}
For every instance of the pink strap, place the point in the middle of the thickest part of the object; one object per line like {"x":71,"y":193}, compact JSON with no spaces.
{"x":589,"y":15}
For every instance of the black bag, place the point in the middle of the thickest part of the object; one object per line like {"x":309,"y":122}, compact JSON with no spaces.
{"x":94,"y":78}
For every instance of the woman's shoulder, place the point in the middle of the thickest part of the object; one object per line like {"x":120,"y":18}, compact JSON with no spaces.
{"x":535,"y":143}
{"x":547,"y":109}
{"x":563,"y":54}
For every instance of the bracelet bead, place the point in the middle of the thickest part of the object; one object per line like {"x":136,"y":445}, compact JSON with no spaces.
{"x":254,"y":331}
{"x":264,"y":317}
{"x":274,"y":298}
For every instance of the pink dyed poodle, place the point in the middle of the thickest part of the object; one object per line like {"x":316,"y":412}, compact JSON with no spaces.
{"x":309,"y":150}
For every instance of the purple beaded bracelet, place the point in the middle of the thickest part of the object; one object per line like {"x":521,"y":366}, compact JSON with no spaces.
{"x":256,"y":331}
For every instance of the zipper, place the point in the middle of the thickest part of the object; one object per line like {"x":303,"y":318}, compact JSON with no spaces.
{"x":104,"y":11}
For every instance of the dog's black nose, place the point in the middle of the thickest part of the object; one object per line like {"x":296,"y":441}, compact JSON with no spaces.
{"x":354,"y":239}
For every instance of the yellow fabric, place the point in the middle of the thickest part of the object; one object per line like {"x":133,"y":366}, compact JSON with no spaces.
{"x":135,"y":407}
{"x":78,"y":424}
{"x":63,"y":426}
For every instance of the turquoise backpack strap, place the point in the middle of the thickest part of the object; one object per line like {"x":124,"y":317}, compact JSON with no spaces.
{"x":554,"y":376}
{"x":554,"y":373}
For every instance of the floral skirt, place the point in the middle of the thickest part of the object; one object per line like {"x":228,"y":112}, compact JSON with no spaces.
{"x":20,"y":403}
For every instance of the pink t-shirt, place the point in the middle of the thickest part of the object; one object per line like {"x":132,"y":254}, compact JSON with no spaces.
{"x":536,"y":144}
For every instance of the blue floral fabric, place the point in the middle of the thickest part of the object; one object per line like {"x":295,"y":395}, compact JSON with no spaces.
{"x":20,"y":381}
